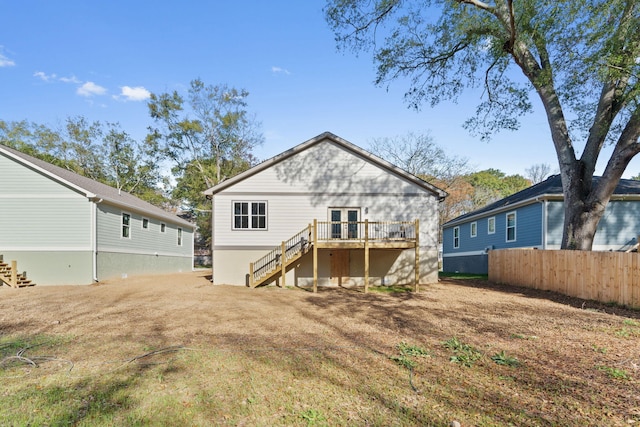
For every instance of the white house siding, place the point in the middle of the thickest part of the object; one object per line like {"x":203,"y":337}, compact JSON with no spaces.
{"x":304,"y":187}
{"x":146,"y":251}
{"x":45,"y":226}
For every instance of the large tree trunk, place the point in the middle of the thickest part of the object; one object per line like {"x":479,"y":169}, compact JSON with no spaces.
{"x":581,"y":217}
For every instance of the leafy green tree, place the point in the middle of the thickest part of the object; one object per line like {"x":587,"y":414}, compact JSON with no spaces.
{"x":579,"y":57}
{"x":102,"y":152}
{"x":209,"y":136}
{"x":492,"y":184}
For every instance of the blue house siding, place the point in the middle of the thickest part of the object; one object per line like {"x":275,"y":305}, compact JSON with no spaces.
{"x":618,"y":228}
{"x":470,"y":256}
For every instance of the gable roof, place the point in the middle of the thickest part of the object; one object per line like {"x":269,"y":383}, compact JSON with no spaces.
{"x":551,"y":188}
{"x":91,"y":189}
{"x":352,"y":148}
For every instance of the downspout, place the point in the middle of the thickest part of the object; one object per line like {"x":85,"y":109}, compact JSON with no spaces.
{"x":94,"y":238}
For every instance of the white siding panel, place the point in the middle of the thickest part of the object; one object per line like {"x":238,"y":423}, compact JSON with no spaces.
{"x":325,"y":167}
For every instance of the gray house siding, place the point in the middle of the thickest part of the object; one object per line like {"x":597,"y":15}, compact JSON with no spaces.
{"x":470,"y":256}
{"x":57,"y":224}
{"x":45,"y":226}
{"x":146,"y":250}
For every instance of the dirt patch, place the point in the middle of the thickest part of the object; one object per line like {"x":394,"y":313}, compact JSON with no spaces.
{"x":566,"y":347}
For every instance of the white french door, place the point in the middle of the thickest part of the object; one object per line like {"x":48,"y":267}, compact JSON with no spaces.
{"x":344,"y":222}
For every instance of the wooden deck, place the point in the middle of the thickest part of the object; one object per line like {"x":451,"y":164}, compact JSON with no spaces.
{"x":364,"y":235}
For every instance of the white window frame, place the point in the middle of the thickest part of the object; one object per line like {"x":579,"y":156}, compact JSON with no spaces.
{"x":125,"y":229}
{"x":473,"y":229}
{"x":491,"y":221}
{"x":179,"y":236}
{"x":507,"y":227}
{"x":163,"y":227}
{"x":145,"y":223}
{"x":250,"y":215}
{"x":456,"y":237}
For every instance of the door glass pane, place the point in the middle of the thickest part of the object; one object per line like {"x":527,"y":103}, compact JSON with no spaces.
{"x":352,"y":217}
{"x":335,"y":224}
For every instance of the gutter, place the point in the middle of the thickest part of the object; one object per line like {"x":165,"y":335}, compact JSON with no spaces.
{"x":94,"y":237}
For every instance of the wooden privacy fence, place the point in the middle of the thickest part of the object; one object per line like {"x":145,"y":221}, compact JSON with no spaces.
{"x":599,"y":276}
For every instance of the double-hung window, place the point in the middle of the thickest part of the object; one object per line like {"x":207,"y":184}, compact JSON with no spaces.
{"x":249,"y":215}
{"x":474,"y":229}
{"x":126,"y":225}
{"x":491,"y":225}
{"x":511,"y":227}
{"x":456,"y":237}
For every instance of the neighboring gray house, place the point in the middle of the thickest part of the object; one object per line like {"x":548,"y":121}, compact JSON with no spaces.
{"x":342,"y":215}
{"x":63,"y":228}
{"x":533,"y":218}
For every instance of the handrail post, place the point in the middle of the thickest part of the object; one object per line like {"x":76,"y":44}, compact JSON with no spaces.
{"x":251,"y":278}
{"x":283,"y":263}
{"x":14,"y":274}
{"x":315,"y":255}
{"x":366,"y":256}
{"x":417,"y":266}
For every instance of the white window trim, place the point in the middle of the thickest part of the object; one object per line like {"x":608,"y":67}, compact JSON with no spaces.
{"x":163,"y":227}
{"x":473,"y":229}
{"x":249,"y":228}
{"x":515,"y":224}
{"x":456,"y":229}
{"x":489,"y":220}
{"x":180,"y":236}
{"x":142,"y":223}
{"x":122,"y":225}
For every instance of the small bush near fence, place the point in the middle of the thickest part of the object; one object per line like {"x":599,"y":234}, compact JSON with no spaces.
{"x":608,"y":277}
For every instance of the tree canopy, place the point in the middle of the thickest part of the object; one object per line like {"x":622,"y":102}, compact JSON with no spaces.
{"x":581,"y":58}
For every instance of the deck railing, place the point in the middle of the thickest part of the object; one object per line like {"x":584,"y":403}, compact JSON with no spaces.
{"x":378,"y":231}
{"x":272,"y":260}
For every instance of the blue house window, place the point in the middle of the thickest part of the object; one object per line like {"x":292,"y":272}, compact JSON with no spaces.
{"x":456,"y":237}
{"x":474,"y":229}
{"x":511,"y":227}
{"x":491,"y":225}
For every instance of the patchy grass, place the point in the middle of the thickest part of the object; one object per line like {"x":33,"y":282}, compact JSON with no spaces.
{"x":190,"y":353}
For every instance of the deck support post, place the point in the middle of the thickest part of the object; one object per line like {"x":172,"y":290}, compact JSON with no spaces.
{"x":251,"y":280}
{"x":366,"y":256}
{"x":14,"y":274}
{"x":283,"y":264}
{"x":417,"y":257}
{"x":315,"y":255}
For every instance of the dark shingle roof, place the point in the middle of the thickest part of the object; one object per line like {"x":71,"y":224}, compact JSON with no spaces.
{"x":94,"y":189}
{"x":551,"y":187}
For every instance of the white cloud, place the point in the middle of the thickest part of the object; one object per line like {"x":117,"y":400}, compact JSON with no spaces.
{"x":138,"y":93}
{"x":90,"y":89}
{"x":4,"y":61}
{"x":44,"y":76}
{"x":279,"y":70}
{"x":72,"y":79}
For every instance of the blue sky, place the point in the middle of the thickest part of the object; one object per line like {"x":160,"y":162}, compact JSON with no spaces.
{"x":101,"y":59}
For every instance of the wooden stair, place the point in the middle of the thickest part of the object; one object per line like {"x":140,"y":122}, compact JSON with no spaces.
{"x":271,"y":265}
{"x":9,"y":275}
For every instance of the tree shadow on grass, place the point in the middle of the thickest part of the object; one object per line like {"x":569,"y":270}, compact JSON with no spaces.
{"x":608,"y":308}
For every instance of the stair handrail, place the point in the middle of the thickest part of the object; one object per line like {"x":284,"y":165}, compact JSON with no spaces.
{"x":296,"y":244}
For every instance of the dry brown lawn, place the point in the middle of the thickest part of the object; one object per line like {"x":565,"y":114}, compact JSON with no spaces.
{"x":272,"y":356}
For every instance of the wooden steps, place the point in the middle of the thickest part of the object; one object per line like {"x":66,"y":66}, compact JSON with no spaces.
{"x":9,"y":275}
